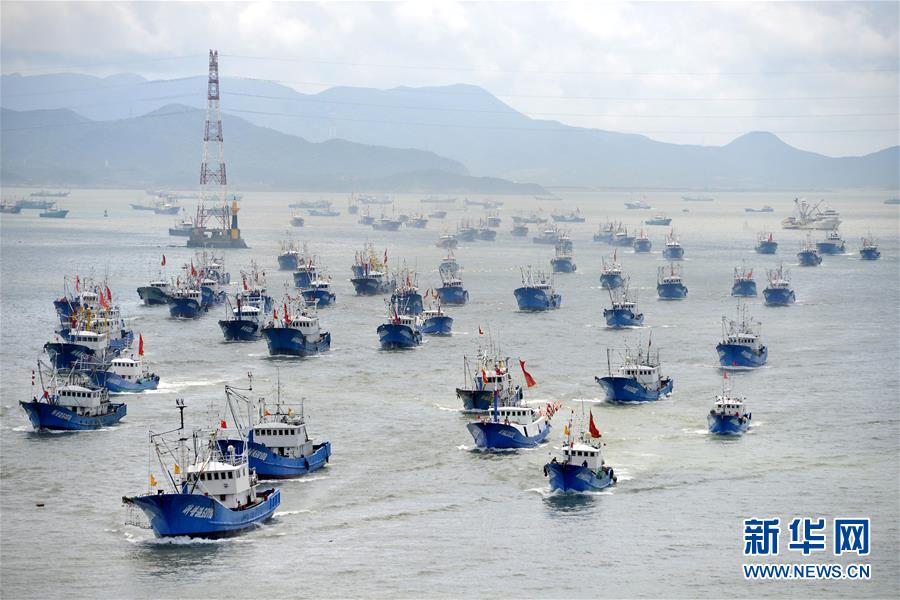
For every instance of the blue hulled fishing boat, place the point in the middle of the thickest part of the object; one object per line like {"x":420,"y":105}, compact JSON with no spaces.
{"x":563,"y":262}
{"x":868,"y":249}
{"x":642,"y":244}
{"x":624,"y":311}
{"x":743,"y":284}
{"x":186,"y":301}
{"x":448,"y":241}
{"x":509,"y":427}
{"x":484,"y":377}
{"x":605,"y":233}
{"x":436,"y":322}
{"x":779,"y":291}
{"x":319,"y":293}
{"x":69,"y":402}
{"x":582,"y":468}
{"x":669,"y":284}
{"x":536,"y":293}
{"x":401,"y":330}
{"x":370,"y":273}
{"x":406,"y":297}
{"x":673,"y":249}
{"x":289,"y":257}
{"x":832,"y":244}
{"x":622,"y":238}
{"x":208,"y":493}
{"x":729,"y":415}
{"x":549,"y":235}
{"x":452,"y":290}
{"x":638,"y":379}
{"x":386,"y":224}
{"x":242,"y":322}
{"x":157,"y":291}
{"x":766,"y":244}
{"x":519,"y":230}
{"x":659,"y":219}
{"x":809,"y":255}
{"x":611,"y":273}
{"x":297,"y":332}
{"x":574,"y":216}
{"x":126,"y":375}
{"x":741,"y":346}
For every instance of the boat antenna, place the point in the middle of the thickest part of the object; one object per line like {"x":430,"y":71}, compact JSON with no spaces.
{"x":608,"y":365}
{"x":179,"y":402}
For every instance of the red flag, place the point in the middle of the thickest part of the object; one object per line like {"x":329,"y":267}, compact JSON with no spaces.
{"x":103,"y":301}
{"x":77,"y":284}
{"x":244,"y":281}
{"x":193,"y":270}
{"x":385,"y":257}
{"x":223,"y":424}
{"x":480,"y":331}
{"x":108,"y":294}
{"x":483,"y":377}
{"x":163,"y":263}
{"x":593,"y":428}
{"x":726,"y":374}
{"x":275,"y":313}
{"x":287,"y":318}
{"x":140,"y":344}
{"x":529,"y":380}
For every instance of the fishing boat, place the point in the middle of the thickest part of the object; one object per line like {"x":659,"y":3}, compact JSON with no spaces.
{"x":433,"y":200}
{"x":366,"y":218}
{"x":808,"y":216}
{"x":10,"y":208}
{"x":166,"y":208}
{"x":574,"y":216}
{"x":697,"y":199}
{"x":370,"y":273}
{"x":494,"y":220}
{"x":352,"y":206}
{"x":466,"y":231}
{"x":564,"y":261}
{"x":534,"y":218}
{"x":624,"y":311}
{"x":582,"y":468}
{"x":519,"y":230}
{"x":765,"y":244}
{"x":307,"y":269}
{"x":486,"y":204}
{"x":297,"y":221}
{"x":437,"y":214}
{"x":126,"y":374}
{"x":729,"y":415}
{"x":658,"y":219}
{"x":35,"y":204}
{"x":406,"y":298}
{"x":510,"y":427}
{"x":637,"y":205}
{"x":637,"y":379}
{"x":742,"y":283}
{"x":77,"y":347}
{"x":809,"y":255}
{"x":310,"y":204}
{"x":611,"y":273}
{"x":452,"y":290}
{"x":186,"y":301}
{"x":485,"y":233}
{"x":832,"y":244}
{"x":242,"y":322}
{"x":868,"y":249}
{"x":49,"y":194}
{"x":386,"y":224}
{"x":289,"y":256}
{"x":401,"y":330}
{"x":155,"y":293}
{"x":621,"y":237}
{"x":207,"y":492}
{"x":778,"y":292}
{"x":319,"y":292}
{"x":673,"y":249}
{"x":417,"y":222}
{"x":764,"y":209}
{"x":741,"y":346}
{"x":371,"y":199}
{"x":669,"y":285}
{"x":69,"y":402}
{"x":549,"y":235}
{"x":642,"y":243}
{"x":448,"y":241}
{"x":537,"y":292}
{"x":277,"y":440}
{"x":297,"y":332}
{"x":323,"y":212}
{"x":434,"y":320}
{"x":449,"y":264}
{"x":486,"y":376}
{"x":182,"y":228}
{"x":565,"y":242}
{"x":53,"y":212}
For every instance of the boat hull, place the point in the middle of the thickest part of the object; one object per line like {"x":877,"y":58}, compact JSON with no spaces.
{"x":240,"y":330}
{"x":611,"y":281}
{"x":870,"y":254}
{"x":624,"y":389}
{"x":830,"y":247}
{"x":673,"y":253}
{"x":808,"y":258}
{"x":563,"y":265}
{"x":196,"y":515}
{"x":45,"y":416}
{"x":569,"y":478}
{"x":283,"y":341}
{"x":535,"y":299}
{"x":65,"y":355}
{"x":642,"y":246}
{"x":269,"y":465}
{"x":370,"y":286}
{"x":727,"y":424}
{"x":672,"y":291}
{"x":397,"y":337}
{"x":185,"y":308}
{"x":152,"y":296}
{"x":479,"y":401}
{"x":116,"y":384}
{"x":319,"y":297}
{"x":744,"y":288}
{"x":453,"y":295}
{"x":778,"y":296}
{"x":287,"y":262}
{"x":500,"y":436}
{"x":622,"y":317}
{"x":439,"y":325}
{"x":735,"y":355}
{"x":767,"y":247}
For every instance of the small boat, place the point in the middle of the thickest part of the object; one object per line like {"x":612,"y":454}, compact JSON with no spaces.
{"x":319,"y":293}
{"x":534,"y":218}
{"x":242,"y":322}
{"x":486,"y":234}
{"x":386,"y":224}
{"x":366,"y":218}
{"x":764,"y":209}
{"x":417,"y":222}
{"x":765,"y":244}
{"x":868,"y":249}
{"x":370,"y":273}
{"x":611,"y":273}
{"x":536,"y":293}
{"x":669,"y":285}
{"x":310,"y":204}
{"x":69,"y":402}
{"x":289,"y":256}
{"x":486,"y":204}
{"x":624,"y":311}
{"x":370,"y":199}
{"x":278,"y":444}
{"x":622,"y":238}
{"x":658,"y":219}
{"x":406,"y":298}
{"x":494,"y":220}
{"x":297,"y":221}
{"x":448,"y":241}
{"x":509,"y":427}
{"x":779,"y":291}
{"x":832,"y":244}
{"x":36,"y":204}
{"x":182,"y":229}
{"x":297,"y":332}
{"x":323,"y":212}
{"x":452,"y":290}
{"x":10,"y":208}
{"x":437,"y":214}
{"x":564,"y":261}
{"x":126,"y":375}
{"x":54,"y":213}
{"x":728,"y":415}
{"x":207,"y":492}
{"x":574,"y":216}
{"x":673,"y":249}
{"x":809,"y":255}
{"x":352,"y":206}
{"x":892,"y":201}
{"x":741,"y":345}
{"x":606,"y":233}
{"x":466,"y":232}
{"x":743,"y":283}
{"x":487,"y":376}
{"x":186,"y":301}
{"x":637,"y":205}
{"x":401,"y":330}
{"x":434,"y":320}
{"x":642,"y":243}
{"x":520,"y":230}
{"x":582,"y":468}
{"x":166,"y":208}
{"x":49,"y":194}
{"x":638,"y":379}
{"x":155,"y":293}
{"x":549,"y":235}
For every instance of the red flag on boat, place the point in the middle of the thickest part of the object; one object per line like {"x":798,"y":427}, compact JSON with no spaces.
{"x":244,"y":281}
{"x":593,"y":428}
{"x":103,"y":302}
{"x":287,"y":318}
{"x":529,"y":380}
{"x":480,"y":331}
{"x":385,"y":257}
{"x":223,"y":424}
{"x":275,"y":313}
{"x":726,"y":374}
{"x":108,"y":294}
{"x":77,"y":284}
{"x":140,"y":344}
{"x":483,"y":377}
{"x":163,"y":263}
{"x":193,"y":270}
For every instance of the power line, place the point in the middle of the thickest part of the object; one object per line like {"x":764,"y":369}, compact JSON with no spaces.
{"x":109,"y":64}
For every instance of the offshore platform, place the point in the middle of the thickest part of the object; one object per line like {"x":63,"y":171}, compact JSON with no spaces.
{"x":216,"y":224}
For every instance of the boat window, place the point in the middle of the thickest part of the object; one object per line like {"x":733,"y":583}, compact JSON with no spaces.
{"x":230,"y":474}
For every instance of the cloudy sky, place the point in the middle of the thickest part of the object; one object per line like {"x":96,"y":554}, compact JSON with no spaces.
{"x":823,"y":76}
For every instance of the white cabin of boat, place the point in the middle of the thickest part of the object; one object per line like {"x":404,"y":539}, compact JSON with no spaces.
{"x":285,"y":437}
{"x":232,"y":485}
{"x":81,"y":400}
{"x":129,"y":369}
{"x":584,"y":455}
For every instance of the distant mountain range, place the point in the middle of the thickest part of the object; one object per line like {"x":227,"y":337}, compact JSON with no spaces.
{"x":470,"y":127}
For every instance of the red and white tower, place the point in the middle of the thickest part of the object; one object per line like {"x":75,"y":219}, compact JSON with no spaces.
{"x":213,"y":180}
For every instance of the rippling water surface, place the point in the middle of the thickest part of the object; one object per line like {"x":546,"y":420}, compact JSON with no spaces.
{"x":406,"y":507}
